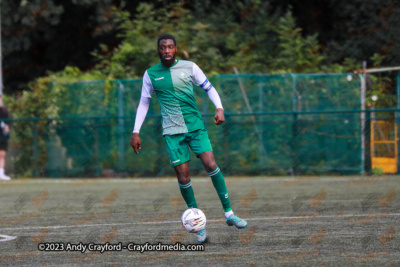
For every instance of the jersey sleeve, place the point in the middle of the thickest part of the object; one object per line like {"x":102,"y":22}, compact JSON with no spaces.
{"x":200,"y":79}
{"x":141,"y":113}
{"x":147,"y":87}
{"x":198,"y":76}
{"x":214,"y":97}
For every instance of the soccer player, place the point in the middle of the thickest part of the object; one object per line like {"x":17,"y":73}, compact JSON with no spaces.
{"x":4,"y":136}
{"x":183,"y":127}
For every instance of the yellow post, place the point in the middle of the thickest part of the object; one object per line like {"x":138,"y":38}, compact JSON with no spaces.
{"x":384,"y":150}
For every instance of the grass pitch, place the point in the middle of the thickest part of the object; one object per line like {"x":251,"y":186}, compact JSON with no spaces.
{"x":302,"y":221}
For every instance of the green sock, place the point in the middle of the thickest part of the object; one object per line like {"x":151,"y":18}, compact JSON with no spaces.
{"x":188,"y":194}
{"x":219,"y":184}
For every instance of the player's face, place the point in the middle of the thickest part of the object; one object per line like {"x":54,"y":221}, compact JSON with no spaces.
{"x":167,"y":51}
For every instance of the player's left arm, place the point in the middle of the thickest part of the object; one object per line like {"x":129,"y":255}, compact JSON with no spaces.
{"x":201,"y":80}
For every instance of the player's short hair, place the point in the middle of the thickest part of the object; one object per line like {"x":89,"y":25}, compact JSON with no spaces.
{"x":165,"y":36}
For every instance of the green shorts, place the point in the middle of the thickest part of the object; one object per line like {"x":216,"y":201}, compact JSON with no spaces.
{"x":178,"y":146}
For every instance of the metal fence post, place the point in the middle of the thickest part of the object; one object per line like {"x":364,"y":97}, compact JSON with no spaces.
{"x":96,"y":150}
{"x":363,"y":115}
{"x":294,"y":127}
{"x":121,"y":128}
{"x":261,"y":137}
{"x":35,"y":150}
{"x":398,"y":118}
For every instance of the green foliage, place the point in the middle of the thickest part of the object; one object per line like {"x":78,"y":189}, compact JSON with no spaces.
{"x":48,"y":97}
{"x":359,"y":29}
{"x":379,"y":89}
{"x":255,"y":36}
{"x":295,"y":53}
{"x":138,"y":50}
{"x":31,"y":104}
{"x":43,"y":35}
{"x":377,"y":171}
{"x":247,"y":35}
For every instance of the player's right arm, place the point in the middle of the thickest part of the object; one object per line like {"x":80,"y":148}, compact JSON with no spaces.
{"x":143,"y":108}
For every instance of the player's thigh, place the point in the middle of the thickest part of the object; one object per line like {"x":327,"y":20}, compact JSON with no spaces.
{"x":3,"y":147}
{"x":199,"y":142}
{"x":177,"y":148}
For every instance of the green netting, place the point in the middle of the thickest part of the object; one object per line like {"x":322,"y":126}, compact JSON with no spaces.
{"x":301,"y":123}
{"x":327,"y":142}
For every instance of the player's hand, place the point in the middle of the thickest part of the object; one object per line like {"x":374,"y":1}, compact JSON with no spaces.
{"x":219,"y":117}
{"x":6,"y":128}
{"x":135,"y":142}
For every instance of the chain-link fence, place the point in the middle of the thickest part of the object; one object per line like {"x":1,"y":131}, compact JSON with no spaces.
{"x":275,"y":125}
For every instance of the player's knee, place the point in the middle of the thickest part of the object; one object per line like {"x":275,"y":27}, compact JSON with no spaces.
{"x":183,"y":175}
{"x":183,"y":179}
{"x":210,"y":166}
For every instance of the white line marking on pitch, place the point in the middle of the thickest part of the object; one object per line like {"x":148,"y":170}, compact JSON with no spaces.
{"x":7,"y":238}
{"x":172,"y":179}
{"x":167,"y":222}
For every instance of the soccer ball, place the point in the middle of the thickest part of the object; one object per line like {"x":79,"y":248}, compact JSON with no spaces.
{"x":193,"y":220}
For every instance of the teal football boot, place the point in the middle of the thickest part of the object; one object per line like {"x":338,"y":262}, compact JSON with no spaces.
{"x":201,"y":236}
{"x":236,"y":221}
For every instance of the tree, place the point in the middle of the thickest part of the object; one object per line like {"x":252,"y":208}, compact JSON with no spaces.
{"x":350,"y":29}
{"x":43,"y":35}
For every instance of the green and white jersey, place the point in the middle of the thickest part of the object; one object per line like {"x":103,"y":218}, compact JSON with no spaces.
{"x":174,"y":89}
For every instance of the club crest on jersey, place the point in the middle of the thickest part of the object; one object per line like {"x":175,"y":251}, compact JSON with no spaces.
{"x":183,"y":76}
